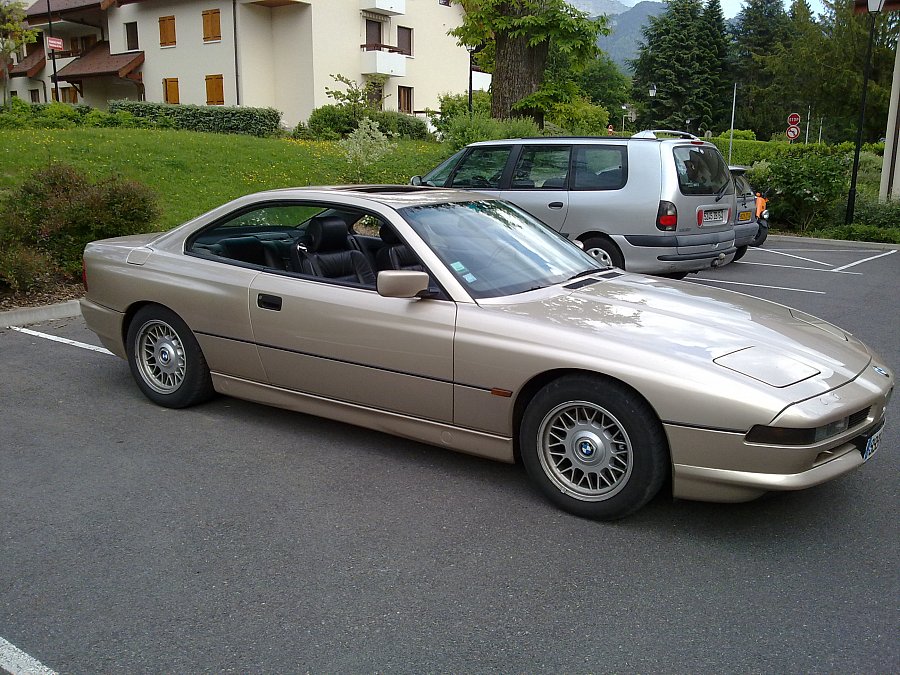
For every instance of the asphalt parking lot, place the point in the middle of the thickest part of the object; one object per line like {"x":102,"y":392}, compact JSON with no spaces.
{"x":234,"y":537}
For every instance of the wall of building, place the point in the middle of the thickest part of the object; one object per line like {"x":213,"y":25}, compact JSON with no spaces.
{"x":890,"y":170}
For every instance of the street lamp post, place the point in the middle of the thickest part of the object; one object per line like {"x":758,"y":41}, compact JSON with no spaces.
{"x":874,"y":7}
{"x":472,"y":52}
{"x":652,"y":93}
{"x":52,"y":53}
{"x":624,"y":111}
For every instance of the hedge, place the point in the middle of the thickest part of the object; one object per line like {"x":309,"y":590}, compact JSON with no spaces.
{"x":746,"y":152}
{"x":215,"y":119}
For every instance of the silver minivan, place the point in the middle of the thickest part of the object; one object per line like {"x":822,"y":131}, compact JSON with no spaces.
{"x":659,"y":202}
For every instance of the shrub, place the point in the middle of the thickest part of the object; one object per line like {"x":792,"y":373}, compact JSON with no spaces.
{"x":457,"y":105}
{"x":803,"y":186}
{"x":23,"y":268}
{"x":739,"y":134}
{"x":214,"y":119}
{"x":580,"y":116}
{"x":465,"y":130}
{"x":401,"y":124}
{"x":365,"y":146}
{"x":330,"y":122}
{"x":58,"y":210}
{"x":857,"y":232}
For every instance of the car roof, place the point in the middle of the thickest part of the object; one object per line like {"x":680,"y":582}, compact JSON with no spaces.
{"x":648,"y":136}
{"x":393,"y":196}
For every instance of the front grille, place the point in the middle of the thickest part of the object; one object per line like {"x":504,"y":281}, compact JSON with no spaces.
{"x":858,"y":417}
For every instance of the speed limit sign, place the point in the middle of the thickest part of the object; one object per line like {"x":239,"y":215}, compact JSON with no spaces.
{"x":793,"y":132}
{"x":794,"y":119}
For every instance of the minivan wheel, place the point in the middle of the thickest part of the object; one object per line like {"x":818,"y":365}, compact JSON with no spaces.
{"x":740,"y":253}
{"x":605,"y":251}
{"x":761,"y":235}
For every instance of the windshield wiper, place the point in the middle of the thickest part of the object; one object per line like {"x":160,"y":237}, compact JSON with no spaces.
{"x":721,"y":191}
{"x":583,"y":273}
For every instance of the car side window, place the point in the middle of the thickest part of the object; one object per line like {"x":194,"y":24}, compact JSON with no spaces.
{"x":265,"y":236}
{"x":600,"y":167}
{"x":541,"y":166}
{"x":481,"y":168}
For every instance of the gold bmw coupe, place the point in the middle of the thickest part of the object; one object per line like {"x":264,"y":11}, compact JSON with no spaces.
{"x":460,"y":321}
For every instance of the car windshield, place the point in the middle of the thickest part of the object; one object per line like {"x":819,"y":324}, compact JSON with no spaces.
{"x":496,"y":249}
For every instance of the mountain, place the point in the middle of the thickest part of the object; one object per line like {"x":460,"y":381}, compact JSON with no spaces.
{"x":598,"y":7}
{"x":622,"y":43}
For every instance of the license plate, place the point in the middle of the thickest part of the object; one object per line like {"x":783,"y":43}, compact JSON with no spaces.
{"x":745,"y":215}
{"x":716,"y":216}
{"x":872,"y":444}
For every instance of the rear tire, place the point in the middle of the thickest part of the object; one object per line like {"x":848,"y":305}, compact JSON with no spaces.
{"x":166,"y":360}
{"x":593,"y":447}
{"x":605,"y":251}
{"x":761,"y":235}
{"x":740,"y":253}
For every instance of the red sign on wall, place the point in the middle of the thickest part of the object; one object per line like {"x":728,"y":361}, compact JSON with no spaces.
{"x":55,"y":43}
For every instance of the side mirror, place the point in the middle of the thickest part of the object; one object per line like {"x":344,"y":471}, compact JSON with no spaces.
{"x":401,"y":283}
{"x":415,"y":180}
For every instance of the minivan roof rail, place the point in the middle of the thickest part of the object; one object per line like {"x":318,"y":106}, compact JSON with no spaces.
{"x":654,"y":133}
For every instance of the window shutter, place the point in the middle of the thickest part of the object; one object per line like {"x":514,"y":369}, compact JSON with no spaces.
{"x":215,"y":90}
{"x":212,"y":25}
{"x":170,"y":90}
{"x":166,"y":31}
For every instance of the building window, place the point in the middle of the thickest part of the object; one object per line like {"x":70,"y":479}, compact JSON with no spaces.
{"x":167,"y":31}
{"x":215,"y":91}
{"x":35,"y":95}
{"x":170,"y":90}
{"x":87,"y":42}
{"x":14,"y":94}
{"x":373,"y":34}
{"x":405,"y":99}
{"x":131,"y":36}
{"x":405,"y":40}
{"x":212,"y":27}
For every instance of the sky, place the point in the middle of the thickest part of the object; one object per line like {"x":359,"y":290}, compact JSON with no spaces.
{"x":732,"y":8}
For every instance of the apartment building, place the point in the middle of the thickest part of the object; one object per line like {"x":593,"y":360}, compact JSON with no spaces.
{"x":266,"y":53}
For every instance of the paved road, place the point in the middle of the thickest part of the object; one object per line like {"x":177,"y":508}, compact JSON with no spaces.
{"x":233,"y":537}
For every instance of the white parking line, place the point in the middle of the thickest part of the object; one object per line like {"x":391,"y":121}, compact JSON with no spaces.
{"x":13,"y":660}
{"x":66,"y":341}
{"x":740,"y":283}
{"x":860,"y":262}
{"x":791,"y":255}
{"x":795,"y":267}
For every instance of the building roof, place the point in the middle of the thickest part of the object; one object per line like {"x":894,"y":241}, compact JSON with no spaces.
{"x":30,"y":66}
{"x":98,"y":62}
{"x":861,"y":6}
{"x":39,"y":8}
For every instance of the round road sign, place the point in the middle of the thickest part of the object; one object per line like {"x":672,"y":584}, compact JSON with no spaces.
{"x":793,"y":132}
{"x":794,"y":119}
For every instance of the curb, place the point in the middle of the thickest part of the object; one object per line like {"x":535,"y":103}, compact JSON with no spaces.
{"x":27,"y":315}
{"x":845,"y":243}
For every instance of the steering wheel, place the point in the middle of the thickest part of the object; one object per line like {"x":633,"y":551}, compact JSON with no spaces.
{"x":479,"y":181}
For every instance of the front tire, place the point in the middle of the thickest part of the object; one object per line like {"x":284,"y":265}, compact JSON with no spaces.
{"x":593,"y":447}
{"x":165,"y":359}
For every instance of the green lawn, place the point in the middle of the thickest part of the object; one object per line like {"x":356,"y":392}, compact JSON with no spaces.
{"x":193,"y":172}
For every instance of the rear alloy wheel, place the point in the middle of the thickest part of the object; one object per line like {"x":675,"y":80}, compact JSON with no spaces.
{"x":605,"y":251}
{"x":165,"y":359}
{"x":740,"y":253}
{"x":593,"y":447}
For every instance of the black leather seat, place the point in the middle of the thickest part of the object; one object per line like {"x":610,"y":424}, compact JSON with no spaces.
{"x":328,"y":253}
{"x":394,"y":254}
{"x":252,"y":250}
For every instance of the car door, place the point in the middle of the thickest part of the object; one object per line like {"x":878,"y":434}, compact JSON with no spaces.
{"x":539,"y":183}
{"x":346,"y":342}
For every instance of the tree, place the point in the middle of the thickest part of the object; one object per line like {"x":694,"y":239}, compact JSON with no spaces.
{"x":762,"y":29}
{"x":521,"y":33}
{"x":718,"y":74}
{"x":13,"y":34}
{"x":677,"y":58}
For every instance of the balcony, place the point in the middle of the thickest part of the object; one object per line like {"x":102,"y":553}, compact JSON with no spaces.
{"x":386,"y":7}
{"x":378,"y":59}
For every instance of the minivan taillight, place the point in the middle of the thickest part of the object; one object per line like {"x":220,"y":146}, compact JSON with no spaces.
{"x":666,"y":217}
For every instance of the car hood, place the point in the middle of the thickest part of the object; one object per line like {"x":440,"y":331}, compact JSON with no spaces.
{"x":690,"y":323}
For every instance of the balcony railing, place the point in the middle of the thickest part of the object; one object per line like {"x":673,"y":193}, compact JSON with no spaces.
{"x":380,"y":59}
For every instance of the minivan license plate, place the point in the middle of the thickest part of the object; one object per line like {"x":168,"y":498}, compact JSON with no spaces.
{"x":713,"y":216}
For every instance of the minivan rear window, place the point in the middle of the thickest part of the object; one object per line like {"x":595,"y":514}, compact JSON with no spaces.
{"x":702,"y":171}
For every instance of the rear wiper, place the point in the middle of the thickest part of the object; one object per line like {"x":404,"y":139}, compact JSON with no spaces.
{"x":721,"y":191}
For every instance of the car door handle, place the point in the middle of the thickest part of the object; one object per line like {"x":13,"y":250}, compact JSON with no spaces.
{"x":265,"y":301}
{"x":555,"y":205}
